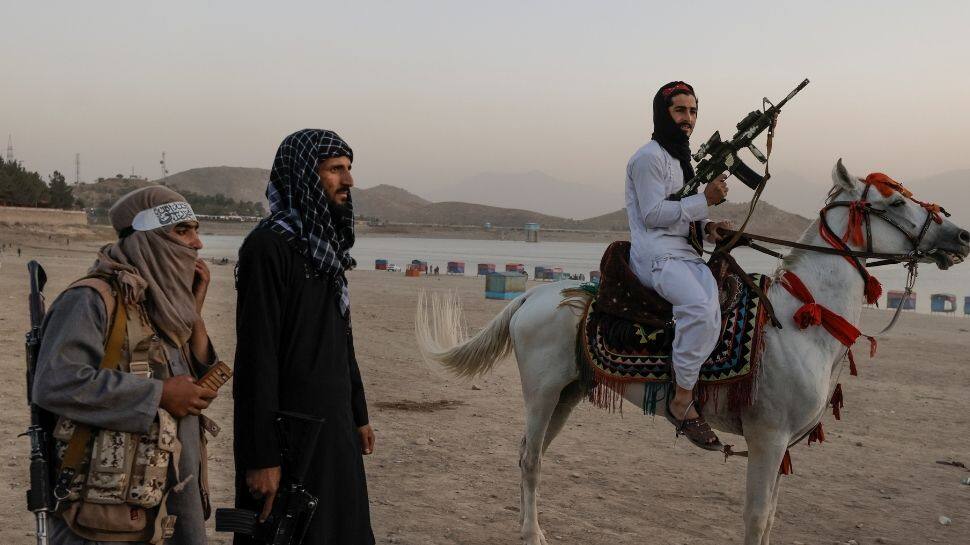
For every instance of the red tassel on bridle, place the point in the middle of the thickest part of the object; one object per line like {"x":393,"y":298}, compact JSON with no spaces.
{"x":853,"y":231}
{"x":873,"y":289}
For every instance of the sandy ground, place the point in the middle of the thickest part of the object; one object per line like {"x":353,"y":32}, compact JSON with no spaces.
{"x":449,"y":474}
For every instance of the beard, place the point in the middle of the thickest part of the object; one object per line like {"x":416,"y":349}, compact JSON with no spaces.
{"x":341,"y":210}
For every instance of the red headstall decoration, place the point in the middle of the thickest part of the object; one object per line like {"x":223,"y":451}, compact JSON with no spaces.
{"x":887,"y":185}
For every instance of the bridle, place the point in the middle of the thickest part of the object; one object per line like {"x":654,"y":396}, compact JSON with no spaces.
{"x":860,"y":213}
{"x":859,"y":222}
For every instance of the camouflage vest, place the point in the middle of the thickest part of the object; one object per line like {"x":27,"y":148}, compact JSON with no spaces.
{"x":119,"y":491}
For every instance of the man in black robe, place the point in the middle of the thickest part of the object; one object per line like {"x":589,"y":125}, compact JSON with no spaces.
{"x":295,"y":348}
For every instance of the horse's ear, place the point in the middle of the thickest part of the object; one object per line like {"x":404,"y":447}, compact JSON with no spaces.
{"x":841,"y":177}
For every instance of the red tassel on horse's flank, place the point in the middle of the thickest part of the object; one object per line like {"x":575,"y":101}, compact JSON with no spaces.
{"x":852,"y":368}
{"x":786,"y":468}
{"x":837,"y":402}
{"x":817,"y":435}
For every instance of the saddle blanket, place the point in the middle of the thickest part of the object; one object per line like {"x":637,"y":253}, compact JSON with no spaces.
{"x":612,"y":351}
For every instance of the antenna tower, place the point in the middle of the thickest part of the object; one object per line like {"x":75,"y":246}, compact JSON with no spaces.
{"x":164,"y":166}
{"x":77,"y":168}
{"x":10,"y":148}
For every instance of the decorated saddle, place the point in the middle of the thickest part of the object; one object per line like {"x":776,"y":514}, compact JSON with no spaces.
{"x":627,"y":332}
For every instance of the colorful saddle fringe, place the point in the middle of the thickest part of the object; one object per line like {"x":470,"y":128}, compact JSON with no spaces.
{"x":613,"y":352}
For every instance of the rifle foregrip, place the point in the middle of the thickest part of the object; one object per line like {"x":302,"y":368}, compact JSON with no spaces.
{"x":237,"y":521}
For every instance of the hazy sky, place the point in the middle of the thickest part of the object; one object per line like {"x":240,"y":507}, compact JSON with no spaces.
{"x":428,"y":93}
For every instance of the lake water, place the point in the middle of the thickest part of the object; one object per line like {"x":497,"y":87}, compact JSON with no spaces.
{"x":583,"y":257}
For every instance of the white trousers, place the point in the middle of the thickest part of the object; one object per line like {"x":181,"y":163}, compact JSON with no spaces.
{"x":690,"y":287}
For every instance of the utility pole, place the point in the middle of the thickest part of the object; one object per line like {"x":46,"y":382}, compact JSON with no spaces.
{"x":10,"y":148}
{"x":77,"y":169}
{"x":164,"y":166}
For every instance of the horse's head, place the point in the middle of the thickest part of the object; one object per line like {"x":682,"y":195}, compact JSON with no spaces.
{"x":884,"y":217}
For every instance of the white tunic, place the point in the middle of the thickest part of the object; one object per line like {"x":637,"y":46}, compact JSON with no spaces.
{"x":663,"y":259}
{"x":658,"y":227}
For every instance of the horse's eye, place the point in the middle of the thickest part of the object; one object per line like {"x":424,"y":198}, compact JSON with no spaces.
{"x":897,"y":204}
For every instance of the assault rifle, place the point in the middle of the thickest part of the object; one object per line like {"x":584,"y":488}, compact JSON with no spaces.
{"x":39,"y":496}
{"x":723,"y":156}
{"x":293,"y":507}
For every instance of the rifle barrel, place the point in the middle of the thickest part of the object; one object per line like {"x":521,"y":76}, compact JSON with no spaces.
{"x":792,"y":94}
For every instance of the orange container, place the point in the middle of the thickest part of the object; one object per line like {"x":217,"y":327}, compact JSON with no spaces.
{"x":412,"y":272}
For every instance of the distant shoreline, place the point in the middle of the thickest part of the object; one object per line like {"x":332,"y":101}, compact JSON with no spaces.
{"x":450,"y":231}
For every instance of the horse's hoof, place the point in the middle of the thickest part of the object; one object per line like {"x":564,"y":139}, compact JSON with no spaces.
{"x":538,"y":538}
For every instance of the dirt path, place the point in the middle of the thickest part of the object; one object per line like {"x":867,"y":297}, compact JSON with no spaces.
{"x":445,"y":468}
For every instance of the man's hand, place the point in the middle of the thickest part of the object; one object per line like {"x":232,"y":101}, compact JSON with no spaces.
{"x":181,"y":396}
{"x":200,"y":284}
{"x":263,"y":483}
{"x":366,"y":439}
{"x":716,"y":190}
{"x":713,"y":230}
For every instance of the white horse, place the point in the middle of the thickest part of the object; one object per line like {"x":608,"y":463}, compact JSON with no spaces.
{"x":798,"y":368}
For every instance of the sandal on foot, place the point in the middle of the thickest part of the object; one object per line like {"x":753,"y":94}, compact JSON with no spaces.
{"x":696,"y":430}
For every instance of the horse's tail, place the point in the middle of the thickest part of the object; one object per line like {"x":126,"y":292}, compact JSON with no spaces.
{"x":440,"y":332}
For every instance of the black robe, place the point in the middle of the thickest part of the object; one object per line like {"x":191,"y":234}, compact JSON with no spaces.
{"x":295,"y":352}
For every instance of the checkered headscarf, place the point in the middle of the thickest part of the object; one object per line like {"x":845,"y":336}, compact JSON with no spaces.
{"x":299,"y":208}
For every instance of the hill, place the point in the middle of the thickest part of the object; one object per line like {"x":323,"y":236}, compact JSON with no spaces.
{"x":103,"y":193}
{"x":531,"y":191}
{"x":396,"y":205}
{"x":388,"y":203}
{"x":768,"y":220}
{"x":237,"y":183}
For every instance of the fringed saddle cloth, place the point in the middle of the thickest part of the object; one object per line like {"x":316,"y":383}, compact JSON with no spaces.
{"x":617,"y":344}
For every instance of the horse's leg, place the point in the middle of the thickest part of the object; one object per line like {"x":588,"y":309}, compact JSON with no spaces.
{"x":568,"y":399}
{"x":764,"y":459}
{"x":540,"y":406}
{"x":774,"y":507}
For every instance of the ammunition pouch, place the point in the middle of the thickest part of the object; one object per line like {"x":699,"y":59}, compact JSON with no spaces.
{"x":113,"y":485}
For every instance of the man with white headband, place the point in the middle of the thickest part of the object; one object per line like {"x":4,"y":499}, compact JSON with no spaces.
{"x":131,"y":459}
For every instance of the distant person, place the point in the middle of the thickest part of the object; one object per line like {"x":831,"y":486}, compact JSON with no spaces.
{"x":295,"y":347}
{"x":18,"y":251}
{"x":152,"y":273}
{"x":666,"y":247}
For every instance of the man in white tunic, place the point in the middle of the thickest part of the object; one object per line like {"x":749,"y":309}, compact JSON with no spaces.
{"x":666,"y":250}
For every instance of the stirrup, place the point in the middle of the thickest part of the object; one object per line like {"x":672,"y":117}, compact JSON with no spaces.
{"x":696,"y":430}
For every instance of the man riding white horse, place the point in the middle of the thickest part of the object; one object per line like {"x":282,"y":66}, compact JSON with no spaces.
{"x":666,"y":247}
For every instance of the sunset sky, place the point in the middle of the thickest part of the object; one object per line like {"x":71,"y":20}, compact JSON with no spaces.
{"x":429,"y":93}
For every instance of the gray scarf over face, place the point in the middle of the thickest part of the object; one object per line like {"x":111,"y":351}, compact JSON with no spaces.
{"x":152,"y":267}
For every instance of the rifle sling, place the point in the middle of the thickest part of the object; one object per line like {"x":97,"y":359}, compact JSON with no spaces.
{"x":74,"y":455}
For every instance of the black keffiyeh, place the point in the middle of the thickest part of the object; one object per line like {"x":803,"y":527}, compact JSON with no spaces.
{"x":672,"y":139}
{"x":300,"y":210}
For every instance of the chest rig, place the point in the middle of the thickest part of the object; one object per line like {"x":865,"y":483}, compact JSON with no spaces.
{"x":112,"y":485}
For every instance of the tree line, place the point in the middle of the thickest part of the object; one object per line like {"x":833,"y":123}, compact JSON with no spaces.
{"x":21,"y":187}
